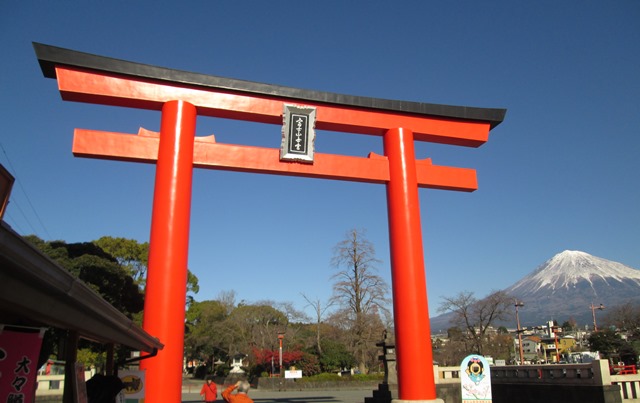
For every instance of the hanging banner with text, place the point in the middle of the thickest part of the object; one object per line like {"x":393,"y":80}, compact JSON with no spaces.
{"x":19,"y":353}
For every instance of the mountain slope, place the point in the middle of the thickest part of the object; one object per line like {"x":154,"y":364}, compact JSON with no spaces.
{"x":571,"y":269}
{"x":565,"y":287}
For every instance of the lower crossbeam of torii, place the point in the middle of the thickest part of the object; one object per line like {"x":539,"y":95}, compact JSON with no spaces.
{"x":182,"y":96}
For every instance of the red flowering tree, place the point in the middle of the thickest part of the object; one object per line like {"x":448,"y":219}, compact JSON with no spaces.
{"x":266,"y":358}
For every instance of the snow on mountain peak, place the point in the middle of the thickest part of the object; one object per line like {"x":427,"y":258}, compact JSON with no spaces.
{"x":569,"y":267}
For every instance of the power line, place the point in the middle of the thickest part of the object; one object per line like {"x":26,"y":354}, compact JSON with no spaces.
{"x":26,"y":219}
{"x":19,"y":183}
{"x":13,"y":222}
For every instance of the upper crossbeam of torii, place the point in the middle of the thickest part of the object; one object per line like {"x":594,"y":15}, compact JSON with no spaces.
{"x":262,"y":103}
{"x":182,"y":96}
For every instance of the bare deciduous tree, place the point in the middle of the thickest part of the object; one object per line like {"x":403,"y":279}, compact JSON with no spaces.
{"x":476,"y":316}
{"x":319,"y":311}
{"x":358,"y":289}
{"x":228,"y":300}
{"x":625,"y":317}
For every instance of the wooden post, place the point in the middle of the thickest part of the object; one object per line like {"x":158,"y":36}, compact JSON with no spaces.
{"x":70,"y":358}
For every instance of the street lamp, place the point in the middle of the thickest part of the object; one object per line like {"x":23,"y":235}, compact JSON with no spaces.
{"x":593,"y":312}
{"x":519,"y":304}
{"x":280,"y":338}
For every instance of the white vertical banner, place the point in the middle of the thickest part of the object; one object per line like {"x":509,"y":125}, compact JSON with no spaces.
{"x":475,"y":379}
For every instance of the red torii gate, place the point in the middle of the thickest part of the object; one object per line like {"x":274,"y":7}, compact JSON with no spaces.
{"x":181,"y":96}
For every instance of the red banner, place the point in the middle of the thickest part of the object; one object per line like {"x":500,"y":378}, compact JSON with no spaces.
{"x":18,"y":365}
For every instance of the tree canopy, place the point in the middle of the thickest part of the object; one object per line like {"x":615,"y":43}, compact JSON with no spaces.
{"x":219,"y":329}
{"x":134,"y":257}
{"x":610,"y":343}
{"x":130,"y":253}
{"x":99,"y":270}
{"x":476,"y":316}
{"x":360,"y":292}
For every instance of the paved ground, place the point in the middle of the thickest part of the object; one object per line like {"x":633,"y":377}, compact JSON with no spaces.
{"x":191,"y":388}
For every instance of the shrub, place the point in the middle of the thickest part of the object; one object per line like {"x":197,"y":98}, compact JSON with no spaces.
{"x":323,"y":377}
{"x":368,"y":377}
{"x":328,"y":377}
{"x":309,"y":364}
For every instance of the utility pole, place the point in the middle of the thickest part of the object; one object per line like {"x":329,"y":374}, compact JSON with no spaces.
{"x":593,"y":312}
{"x":519,"y":304}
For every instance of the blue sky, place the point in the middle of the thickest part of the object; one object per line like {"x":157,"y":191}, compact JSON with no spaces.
{"x":559,"y":173}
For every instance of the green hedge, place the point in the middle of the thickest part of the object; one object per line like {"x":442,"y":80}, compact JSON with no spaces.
{"x":326,"y":377}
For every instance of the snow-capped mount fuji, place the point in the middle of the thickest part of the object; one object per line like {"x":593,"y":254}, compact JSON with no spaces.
{"x":564,"y":288}
{"x":566,"y":285}
{"x":570,"y":269}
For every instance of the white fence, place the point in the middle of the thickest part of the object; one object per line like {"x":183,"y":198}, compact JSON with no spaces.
{"x":629,"y":387}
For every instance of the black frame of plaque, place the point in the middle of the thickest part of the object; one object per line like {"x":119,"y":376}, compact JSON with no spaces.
{"x":298,"y":133}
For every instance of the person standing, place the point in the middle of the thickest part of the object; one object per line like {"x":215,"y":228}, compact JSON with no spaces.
{"x":209,"y":391}
{"x":241,"y":396}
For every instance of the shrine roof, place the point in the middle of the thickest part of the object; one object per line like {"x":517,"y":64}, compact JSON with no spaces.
{"x":50,"y":56}
{"x":37,"y":292}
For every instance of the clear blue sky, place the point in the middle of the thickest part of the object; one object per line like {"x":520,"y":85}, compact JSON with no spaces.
{"x":560,"y":173}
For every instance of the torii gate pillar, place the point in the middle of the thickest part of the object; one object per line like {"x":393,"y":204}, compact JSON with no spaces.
{"x":410,"y":307}
{"x":166,"y":292}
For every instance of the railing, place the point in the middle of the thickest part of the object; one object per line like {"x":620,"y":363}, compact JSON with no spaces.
{"x":629,"y":386}
{"x":446,"y":374}
{"x":594,"y":373}
{"x":624,"y":369}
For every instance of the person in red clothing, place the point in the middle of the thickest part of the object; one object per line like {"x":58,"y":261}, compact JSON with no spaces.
{"x":241,"y":396}
{"x":209,"y":391}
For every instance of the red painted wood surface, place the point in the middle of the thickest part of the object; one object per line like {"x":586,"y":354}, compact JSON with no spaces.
{"x":166,"y":290}
{"x":414,"y":357}
{"x":110,"y":89}
{"x":208,"y":154}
